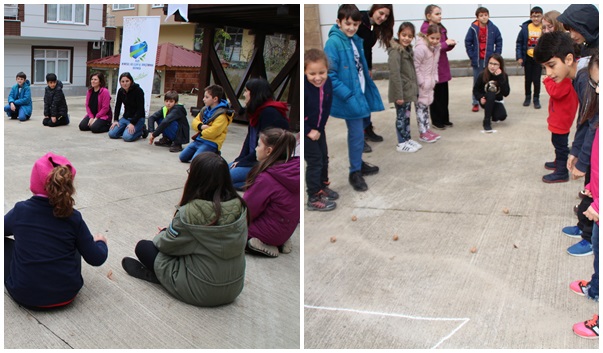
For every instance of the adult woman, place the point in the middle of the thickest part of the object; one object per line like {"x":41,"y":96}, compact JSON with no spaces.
{"x":262,"y":112}
{"x":98,"y":106}
{"x":377,"y":24}
{"x":132,"y":124}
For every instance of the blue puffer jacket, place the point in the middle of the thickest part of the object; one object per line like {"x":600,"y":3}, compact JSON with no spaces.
{"x":493,"y":43}
{"x":23,"y":99}
{"x":348,"y":100}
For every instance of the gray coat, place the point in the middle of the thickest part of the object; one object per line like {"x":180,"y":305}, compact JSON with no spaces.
{"x":402,"y":73}
{"x":199,"y":264}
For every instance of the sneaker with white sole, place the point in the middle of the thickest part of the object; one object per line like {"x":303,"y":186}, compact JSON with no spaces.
{"x":434,"y":135}
{"x":257,"y":246}
{"x":583,"y":248}
{"x":426,"y":137}
{"x":415,"y":143}
{"x":582,"y":287}
{"x":588,"y":329}
{"x":572,"y":231}
{"x":406,"y":147}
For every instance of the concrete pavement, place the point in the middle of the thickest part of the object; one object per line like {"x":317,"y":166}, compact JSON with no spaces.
{"x":125,"y":190}
{"x":480,"y":260}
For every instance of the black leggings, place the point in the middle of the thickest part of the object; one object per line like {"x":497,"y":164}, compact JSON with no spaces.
{"x":146,"y":252}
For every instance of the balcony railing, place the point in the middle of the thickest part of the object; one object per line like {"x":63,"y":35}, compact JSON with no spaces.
{"x":11,"y":11}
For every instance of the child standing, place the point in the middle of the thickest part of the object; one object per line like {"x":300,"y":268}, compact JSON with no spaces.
{"x":200,"y":257}
{"x":355,"y":95}
{"x":19,"y":99}
{"x":55,"y":105}
{"x":318,"y":96}
{"x":42,"y":265}
{"x":426,"y":56}
{"x":490,"y":88}
{"x":482,"y":40}
{"x":403,"y":88}
{"x":273,"y":194}
{"x":172,"y":124}
{"x":211,"y":124}
{"x":527,"y":39}
{"x":563,"y":105}
{"x":440,"y":116}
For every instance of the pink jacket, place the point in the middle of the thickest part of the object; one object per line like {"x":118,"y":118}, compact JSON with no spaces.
{"x":104,"y":104}
{"x":593,"y":186}
{"x":426,"y":64}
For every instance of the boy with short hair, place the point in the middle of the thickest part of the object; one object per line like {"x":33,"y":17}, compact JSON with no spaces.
{"x":172,"y":124}
{"x":55,"y":105}
{"x":19,"y":99}
{"x":355,"y":95}
{"x":211,"y":124}
{"x":482,"y":40}
{"x":527,"y":39}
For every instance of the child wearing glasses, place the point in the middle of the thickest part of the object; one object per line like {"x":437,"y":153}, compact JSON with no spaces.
{"x":527,"y":39}
{"x":490,"y":88}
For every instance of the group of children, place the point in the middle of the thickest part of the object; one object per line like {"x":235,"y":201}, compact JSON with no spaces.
{"x":337,"y":84}
{"x":200,"y":257}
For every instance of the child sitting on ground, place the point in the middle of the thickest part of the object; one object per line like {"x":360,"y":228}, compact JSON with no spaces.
{"x":172,"y":124}
{"x":55,"y":105}
{"x":273,"y":193}
{"x":211,"y":124}
{"x":200,"y":257}
{"x":318,"y":96}
{"x":42,"y":265}
{"x":491,"y":87}
{"x":19,"y":99}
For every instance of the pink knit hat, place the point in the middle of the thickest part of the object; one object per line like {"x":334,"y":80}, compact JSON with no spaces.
{"x":42,"y":169}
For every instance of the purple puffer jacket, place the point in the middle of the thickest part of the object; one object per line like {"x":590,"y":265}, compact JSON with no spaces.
{"x":443,"y":65}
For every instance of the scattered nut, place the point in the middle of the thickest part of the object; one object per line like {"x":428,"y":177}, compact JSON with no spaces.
{"x":473,"y":250}
{"x":515,"y":246}
{"x":395,"y":237}
{"x":110,"y":275}
{"x":505,"y":210}
{"x":354,"y":218}
{"x":333,"y":239}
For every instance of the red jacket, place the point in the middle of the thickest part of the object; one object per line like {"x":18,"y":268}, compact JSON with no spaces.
{"x":562,"y":105}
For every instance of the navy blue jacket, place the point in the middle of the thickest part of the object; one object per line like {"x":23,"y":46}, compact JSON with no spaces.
{"x":521,"y":45}
{"x":585,"y":133}
{"x":493,"y":43}
{"x":46,"y":268}
{"x":313,"y":119}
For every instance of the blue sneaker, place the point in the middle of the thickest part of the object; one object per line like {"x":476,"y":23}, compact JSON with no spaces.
{"x":572,"y":231}
{"x":582,"y":248}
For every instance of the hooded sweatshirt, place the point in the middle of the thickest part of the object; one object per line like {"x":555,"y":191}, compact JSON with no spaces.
{"x":55,"y":104}
{"x":21,"y":99}
{"x":133,"y":101}
{"x":584,"y":18}
{"x":273,"y":202}
{"x":218,"y":126}
{"x":200,"y":264}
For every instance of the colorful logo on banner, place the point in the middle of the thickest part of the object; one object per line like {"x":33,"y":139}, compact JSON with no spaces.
{"x":138,"y":50}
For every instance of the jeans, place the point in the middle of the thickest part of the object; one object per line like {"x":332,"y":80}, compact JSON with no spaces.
{"x":593,"y":291}
{"x":355,"y":143}
{"x":533,"y":71}
{"x":403,"y":122}
{"x":239,"y":176}
{"x":194,"y":149}
{"x":99,"y":126}
{"x":18,"y":113}
{"x":366,"y":122}
{"x":476,"y":71}
{"x":169,"y":132}
{"x":316,"y":155}
{"x":560,"y":142}
{"x":122,"y":131}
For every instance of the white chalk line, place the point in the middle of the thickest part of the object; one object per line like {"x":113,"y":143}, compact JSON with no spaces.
{"x":464,"y":320}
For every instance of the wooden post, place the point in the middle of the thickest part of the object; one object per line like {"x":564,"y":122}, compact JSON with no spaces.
{"x":205,"y":73}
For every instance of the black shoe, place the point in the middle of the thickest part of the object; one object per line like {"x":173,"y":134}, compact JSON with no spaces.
{"x":163,"y":142}
{"x":526,"y":103}
{"x":439,"y":127}
{"x":537,"y":103}
{"x":448,"y":124}
{"x":556,"y":177}
{"x":175,"y":147}
{"x":145,"y":132}
{"x":368,"y":169}
{"x":550,"y":165}
{"x":367,"y":148}
{"x":369,"y":134}
{"x":137,"y":270}
{"x":357,"y":181}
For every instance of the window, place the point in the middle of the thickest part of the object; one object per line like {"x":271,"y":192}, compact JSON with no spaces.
{"x":52,"y":60}
{"x":66,"y":13}
{"x":11,"y":11}
{"x":117,"y":7}
{"x":157,"y":6}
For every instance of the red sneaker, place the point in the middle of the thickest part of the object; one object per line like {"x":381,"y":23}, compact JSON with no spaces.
{"x":475,"y":108}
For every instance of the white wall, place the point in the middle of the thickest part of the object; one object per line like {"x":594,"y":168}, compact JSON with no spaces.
{"x":34,"y":25}
{"x":456,"y":18}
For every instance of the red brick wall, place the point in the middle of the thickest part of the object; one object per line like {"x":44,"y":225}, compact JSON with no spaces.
{"x":12,"y":28}
{"x":181,"y":81}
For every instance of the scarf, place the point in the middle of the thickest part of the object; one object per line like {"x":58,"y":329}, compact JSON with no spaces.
{"x":280,"y":106}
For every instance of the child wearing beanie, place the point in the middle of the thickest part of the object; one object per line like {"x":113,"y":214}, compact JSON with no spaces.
{"x":42,"y":264}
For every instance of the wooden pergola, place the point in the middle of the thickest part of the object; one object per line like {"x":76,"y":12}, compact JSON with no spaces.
{"x":262,"y":20}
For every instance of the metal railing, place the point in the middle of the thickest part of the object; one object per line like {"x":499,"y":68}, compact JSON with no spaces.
{"x":11,"y":11}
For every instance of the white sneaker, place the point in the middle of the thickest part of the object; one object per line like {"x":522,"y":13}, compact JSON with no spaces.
{"x":415,"y":144}
{"x":406,"y":147}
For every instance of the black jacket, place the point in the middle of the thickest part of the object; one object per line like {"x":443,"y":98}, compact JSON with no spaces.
{"x":177,"y":113}
{"x":368,"y":36}
{"x":133,"y":101}
{"x":313,"y":119}
{"x":584,"y":18}
{"x":502,"y":81}
{"x":269,"y":117}
{"x":55,"y":104}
